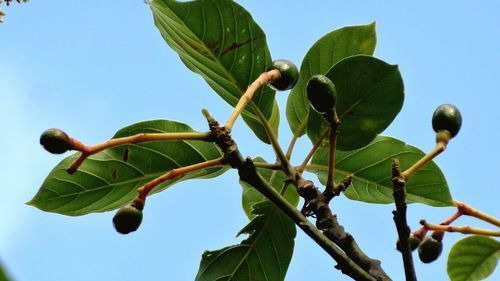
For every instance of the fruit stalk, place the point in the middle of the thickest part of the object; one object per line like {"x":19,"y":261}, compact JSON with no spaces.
{"x":461,"y":229}
{"x":138,"y":138}
{"x":263,"y":79}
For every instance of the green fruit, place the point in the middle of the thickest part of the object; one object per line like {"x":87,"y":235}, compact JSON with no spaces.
{"x":55,"y":141}
{"x":414,"y":242}
{"x":447,"y":117}
{"x":430,"y":249}
{"x":127,"y":219}
{"x":289,"y":75}
{"x":321,"y":93}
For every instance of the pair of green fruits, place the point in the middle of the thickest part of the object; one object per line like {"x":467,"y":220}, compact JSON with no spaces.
{"x":320,"y":90}
{"x":429,"y":249}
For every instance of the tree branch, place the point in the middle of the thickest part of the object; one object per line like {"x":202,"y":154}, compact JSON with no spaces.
{"x":351,"y":260}
{"x":399,"y":216}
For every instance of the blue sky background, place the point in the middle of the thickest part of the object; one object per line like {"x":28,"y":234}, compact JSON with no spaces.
{"x":92,"y":67}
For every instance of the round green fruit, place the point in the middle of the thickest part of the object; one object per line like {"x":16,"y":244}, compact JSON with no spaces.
{"x":430,"y":249}
{"x":289,"y":75}
{"x":55,"y":141}
{"x":447,"y":117}
{"x":414,"y":242}
{"x":127,"y":219}
{"x":321,"y":93}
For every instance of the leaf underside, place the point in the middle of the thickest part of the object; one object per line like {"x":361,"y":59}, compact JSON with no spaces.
{"x":371,"y":170}
{"x":220,"y":41}
{"x":109,"y":179}
{"x":267,"y":252}
{"x":264,"y":255}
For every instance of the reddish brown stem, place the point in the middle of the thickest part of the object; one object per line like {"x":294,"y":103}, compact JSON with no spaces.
{"x":175,"y":173}
{"x":470,"y":211}
{"x":138,"y":138}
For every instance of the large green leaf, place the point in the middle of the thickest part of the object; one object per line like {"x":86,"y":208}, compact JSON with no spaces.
{"x":473,"y":258}
{"x":371,"y":170}
{"x":110,"y":178}
{"x":264,"y":255}
{"x":276,"y":178}
{"x":325,"y":53}
{"x":370,"y":94}
{"x":220,"y":41}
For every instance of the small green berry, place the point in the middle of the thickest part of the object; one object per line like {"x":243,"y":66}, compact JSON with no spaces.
{"x":289,"y":75}
{"x":430,"y":249}
{"x":321,"y":93}
{"x":55,"y":141}
{"x":447,"y":117}
{"x":414,"y":242}
{"x":127,"y":219}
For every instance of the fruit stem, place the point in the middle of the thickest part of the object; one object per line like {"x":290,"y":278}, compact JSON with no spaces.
{"x":312,"y":151}
{"x":175,"y":173}
{"x":460,"y":229}
{"x":263,"y":79}
{"x":331,"y":151}
{"x":440,"y":147}
{"x":296,"y":135}
{"x":469,"y":211}
{"x":138,"y":138}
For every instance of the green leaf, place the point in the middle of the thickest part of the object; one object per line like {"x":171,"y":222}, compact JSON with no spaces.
{"x":109,"y":179}
{"x":473,"y":258}
{"x":220,"y":41}
{"x":371,"y":170}
{"x":264,"y":255}
{"x":276,"y":178}
{"x":370,"y":94}
{"x":325,"y":53}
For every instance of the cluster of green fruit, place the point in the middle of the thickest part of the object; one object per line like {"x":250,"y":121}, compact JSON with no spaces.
{"x":322,"y":96}
{"x":429,"y":249}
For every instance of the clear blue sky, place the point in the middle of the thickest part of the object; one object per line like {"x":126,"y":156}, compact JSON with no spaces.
{"x":92,"y":67}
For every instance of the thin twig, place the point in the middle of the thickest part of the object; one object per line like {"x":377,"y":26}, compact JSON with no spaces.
{"x":176,"y":173}
{"x":470,"y":211}
{"x":440,"y":147}
{"x":296,"y":135}
{"x":461,"y":229}
{"x":315,"y":147}
{"x":88,"y":150}
{"x":263,"y":79}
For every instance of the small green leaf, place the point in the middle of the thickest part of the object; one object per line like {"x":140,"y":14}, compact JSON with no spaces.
{"x":473,"y":258}
{"x":325,"y":53}
{"x":276,"y":178}
{"x":220,"y":41}
{"x":371,"y":170}
{"x":109,"y":179}
{"x":370,"y":94}
{"x":264,"y":255}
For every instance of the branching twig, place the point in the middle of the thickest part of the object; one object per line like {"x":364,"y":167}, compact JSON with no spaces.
{"x":175,"y":173}
{"x":138,"y":138}
{"x":461,"y":229}
{"x":351,"y":260}
{"x":399,"y":216}
{"x":469,"y":211}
